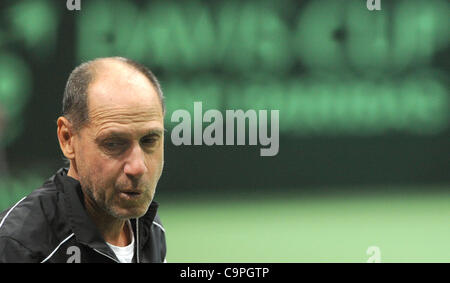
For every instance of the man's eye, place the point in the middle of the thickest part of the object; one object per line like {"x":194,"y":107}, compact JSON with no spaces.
{"x":113,"y":144}
{"x":149,"y":141}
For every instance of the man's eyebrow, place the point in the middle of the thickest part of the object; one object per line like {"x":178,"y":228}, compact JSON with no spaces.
{"x":110,"y":135}
{"x":155,"y":131}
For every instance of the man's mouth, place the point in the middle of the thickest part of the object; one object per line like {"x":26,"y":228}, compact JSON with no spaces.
{"x":130,"y":194}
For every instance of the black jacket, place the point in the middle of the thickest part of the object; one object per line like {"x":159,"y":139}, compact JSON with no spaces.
{"x":52,"y":225}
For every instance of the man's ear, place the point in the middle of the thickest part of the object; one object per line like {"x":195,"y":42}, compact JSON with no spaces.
{"x":65,"y":137}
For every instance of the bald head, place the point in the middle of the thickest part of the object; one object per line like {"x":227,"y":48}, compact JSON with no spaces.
{"x":112,"y":69}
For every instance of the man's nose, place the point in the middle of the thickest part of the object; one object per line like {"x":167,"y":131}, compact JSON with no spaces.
{"x":135,"y":165}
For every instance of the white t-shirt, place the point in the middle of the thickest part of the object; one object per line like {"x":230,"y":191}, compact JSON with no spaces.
{"x":124,"y":254}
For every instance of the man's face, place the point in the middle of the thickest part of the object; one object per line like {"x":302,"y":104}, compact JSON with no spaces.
{"x":119,"y":154}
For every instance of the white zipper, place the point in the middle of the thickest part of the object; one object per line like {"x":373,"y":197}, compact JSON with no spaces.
{"x":137,"y":240}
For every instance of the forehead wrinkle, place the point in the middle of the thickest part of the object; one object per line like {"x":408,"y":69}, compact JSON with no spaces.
{"x":106,"y":117}
{"x":106,"y":113}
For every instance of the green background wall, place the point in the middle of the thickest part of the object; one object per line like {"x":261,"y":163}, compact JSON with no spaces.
{"x":364,"y":117}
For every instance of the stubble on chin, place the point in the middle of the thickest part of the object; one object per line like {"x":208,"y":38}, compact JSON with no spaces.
{"x":109,"y":203}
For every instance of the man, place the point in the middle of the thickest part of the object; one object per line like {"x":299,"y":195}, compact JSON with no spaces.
{"x":101,"y":209}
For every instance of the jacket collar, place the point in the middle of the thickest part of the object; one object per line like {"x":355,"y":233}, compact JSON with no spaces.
{"x":83,"y":226}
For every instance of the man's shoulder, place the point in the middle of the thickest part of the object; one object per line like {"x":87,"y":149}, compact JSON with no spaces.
{"x":156,"y":249}
{"x":32,"y":218}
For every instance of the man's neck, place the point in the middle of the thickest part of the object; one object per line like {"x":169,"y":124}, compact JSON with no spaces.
{"x":72,"y":173}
